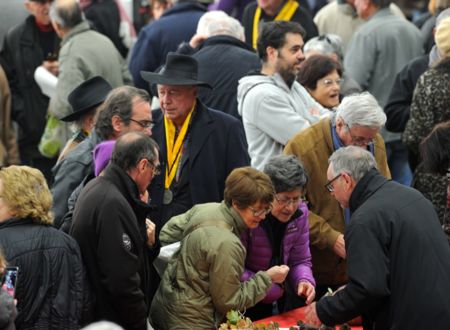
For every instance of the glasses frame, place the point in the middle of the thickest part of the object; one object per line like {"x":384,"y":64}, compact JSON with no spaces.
{"x":329,"y":185}
{"x":141,"y":123}
{"x":156,"y":168}
{"x":290,"y":201}
{"x":355,"y":139}
{"x":259,"y":213}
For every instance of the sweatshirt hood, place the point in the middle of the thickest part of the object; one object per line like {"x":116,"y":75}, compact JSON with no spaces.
{"x":247,"y":83}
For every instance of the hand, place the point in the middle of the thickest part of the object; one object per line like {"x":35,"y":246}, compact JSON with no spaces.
{"x":339,"y":247}
{"x":196,"y":40}
{"x":307,"y":290}
{"x":314,"y":111}
{"x":52,"y":66}
{"x":151,"y":232}
{"x":311,"y":315}
{"x":278,"y":273}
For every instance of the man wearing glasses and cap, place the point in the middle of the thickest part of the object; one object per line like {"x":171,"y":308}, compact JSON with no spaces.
{"x":199,"y":146}
{"x":357,"y":122}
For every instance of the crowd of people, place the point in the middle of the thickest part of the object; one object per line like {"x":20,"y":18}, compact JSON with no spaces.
{"x":287,"y":148}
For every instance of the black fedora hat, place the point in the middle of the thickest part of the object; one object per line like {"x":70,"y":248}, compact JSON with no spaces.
{"x":86,"y":96}
{"x":179,"y":70}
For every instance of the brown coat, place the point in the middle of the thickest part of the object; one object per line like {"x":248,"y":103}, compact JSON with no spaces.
{"x":313,"y":146}
{"x":9,"y":151}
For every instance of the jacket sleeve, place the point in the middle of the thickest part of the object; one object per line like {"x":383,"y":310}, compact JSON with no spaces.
{"x":274,"y":115}
{"x":399,"y":102}
{"x":226,"y":268}
{"x":119,"y":265}
{"x":368,"y":269}
{"x":173,"y":230}
{"x":300,"y":257}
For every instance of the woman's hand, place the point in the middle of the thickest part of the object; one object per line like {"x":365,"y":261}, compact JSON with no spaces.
{"x":151,"y":232}
{"x":307,"y":290}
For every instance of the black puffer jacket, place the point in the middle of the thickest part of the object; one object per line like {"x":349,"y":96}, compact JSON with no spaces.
{"x":51,"y":289}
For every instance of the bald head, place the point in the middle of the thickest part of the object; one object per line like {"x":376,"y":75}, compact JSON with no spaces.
{"x":65,"y":14}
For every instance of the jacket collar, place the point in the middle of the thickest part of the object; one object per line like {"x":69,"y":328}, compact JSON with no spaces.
{"x":183,"y":6}
{"x":225,"y":40}
{"x":79,"y":28}
{"x":365,"y":188}
{"x":12,"y":222}
{"x":233,"y":218}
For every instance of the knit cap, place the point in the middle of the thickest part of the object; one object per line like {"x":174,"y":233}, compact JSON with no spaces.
{"x":442,"y":37}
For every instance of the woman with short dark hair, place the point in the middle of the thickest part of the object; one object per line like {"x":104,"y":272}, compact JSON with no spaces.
{"x":283,"y":238}
{"x":321,"y":76}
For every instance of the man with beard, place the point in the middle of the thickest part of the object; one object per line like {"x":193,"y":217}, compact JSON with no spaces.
{"x":274,"y":107}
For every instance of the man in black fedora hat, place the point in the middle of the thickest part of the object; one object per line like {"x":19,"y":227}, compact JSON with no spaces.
{"x":199,"y":146}
{"x":85,"y":99}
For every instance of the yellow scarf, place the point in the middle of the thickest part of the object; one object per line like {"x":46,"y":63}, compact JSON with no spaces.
{"x":285,"y":14}
{"x":174,"y":147}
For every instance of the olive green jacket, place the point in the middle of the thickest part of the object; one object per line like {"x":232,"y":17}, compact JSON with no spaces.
{"x":202,"y":282}
{"x":313,"y":147}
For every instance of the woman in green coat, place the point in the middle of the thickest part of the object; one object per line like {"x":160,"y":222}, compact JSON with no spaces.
{"x":202,"y":282}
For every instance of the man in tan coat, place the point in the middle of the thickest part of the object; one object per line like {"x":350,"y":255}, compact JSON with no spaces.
{"x":9,"y":151}
{"x":358,"y":121}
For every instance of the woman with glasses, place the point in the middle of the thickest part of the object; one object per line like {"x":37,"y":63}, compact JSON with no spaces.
{"x":283,"y":238}
{"x":322,"y":77}
{"x":202,"y":281}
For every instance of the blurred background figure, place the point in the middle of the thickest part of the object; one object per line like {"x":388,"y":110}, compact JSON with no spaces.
{"x":282,"y":239}
{"x":159,"y":7}
{"x":322,"y":78}
{"x":26,"y":46}
{"x":52,"y":290}
{"x":9,"y":150}
{"x":331,"y":45}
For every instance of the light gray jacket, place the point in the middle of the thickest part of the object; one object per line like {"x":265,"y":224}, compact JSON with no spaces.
{"x":273,"y":113}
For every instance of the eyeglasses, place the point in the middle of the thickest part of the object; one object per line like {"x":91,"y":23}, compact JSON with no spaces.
{"x":288,"y":201}
{"x":258,"y":213}
{"x":329,"y":185}
{"x":143,"y":123}
{"x":330,"y":82}
{"x":359,"y":140}
{"x":156,"y":168}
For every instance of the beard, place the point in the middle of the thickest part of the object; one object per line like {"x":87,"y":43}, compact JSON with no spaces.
{"x":288,"y":76}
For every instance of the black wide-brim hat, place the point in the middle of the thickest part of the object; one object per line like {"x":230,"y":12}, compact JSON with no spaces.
{"x":86,"y":96}
{"x":179,"y":70}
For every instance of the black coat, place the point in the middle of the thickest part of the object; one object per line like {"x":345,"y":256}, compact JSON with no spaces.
{"x":217,"y":147}
{"x":109,"y":225}
{"x":20,"y":57}
{"x":398,"y":261}
{"x":51,"y":289}
{"x":398,"y":106}
{"x":222,"y":61}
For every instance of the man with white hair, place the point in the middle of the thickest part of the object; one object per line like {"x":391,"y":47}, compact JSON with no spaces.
{"x":397,"y":255}
{"x":357,"y":122}
{"x":221,"y":37}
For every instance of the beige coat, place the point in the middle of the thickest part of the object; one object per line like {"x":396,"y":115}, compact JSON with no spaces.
{"x":313,"y":147}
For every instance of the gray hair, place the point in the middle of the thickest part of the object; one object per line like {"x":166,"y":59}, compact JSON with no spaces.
{"x":67,"y":13}
{"x":286,"y":172}
{"x":217,"y":22}
{"x":326,"y":44}
{"x":354,"y":161}
{"x":361,"y":110}
{"x":443,"y":15}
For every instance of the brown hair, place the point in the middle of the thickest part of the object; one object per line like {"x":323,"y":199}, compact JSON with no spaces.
{"x":315,"y":68}
{"x":246,"y":186}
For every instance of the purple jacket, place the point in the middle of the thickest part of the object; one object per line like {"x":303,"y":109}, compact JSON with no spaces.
{"x":295,"y":253}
